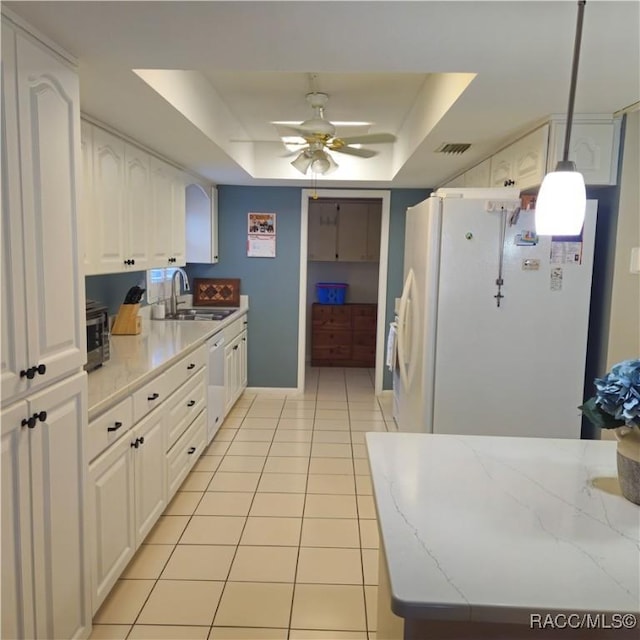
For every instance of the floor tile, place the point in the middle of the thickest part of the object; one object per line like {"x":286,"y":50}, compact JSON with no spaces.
{"x":290,"y":449}
{"x":289,"y":505}
{"x":332,"y":404}
{"x":199,"y":562}
{"x":123,"y":604}
{"x":368,"y":425}
{"x":331,"y":483}
{"x":242,"y":464}
{"x":330,"y":532}
{"x":283,"y":483}
{"x":331,"y":414}
{"x":330,"y":506}
{"x":248,"y":449}
{"x":317,"y":606}
{"x":334,"y":437}
{"x":327,"y":450}
{"x":371,"y":415}
{"x":370,"y":566}
{"x":259,"y":604}
{"x":361,"y":466}
{"x":232,"y":481}
{"x":264,"y":564}
{"x":329,"y":566}
{"x":340,"y":466}
{"x":369,"y":536}
{"x":231,"y":423}
{"x":331,"y":425}
{"x":184,"y":503}
{"x":148,"y":562}
{"x":254,"y":435}
{"x":216,"y":448}
{"x":272,"y":531}
{"x":225,"y":435}
{"x":167,"y":530}
{"x":109,"y":631}
{"x":197,"y":481}
{"x":168,"y":632}
{"x":366,"y":507}
{"x":276,"y":464}
{"x":293,"y":435}
{"x":224,"y":504}
{"x":358,"y":437}
{"x":371,"y":598}
{"x":207,"y":463}
{"x":259,"y":423}
{"x":297,"y":412}
{"x":364,"y":486}
{"x":295,"y":423}
{"x":247,"y":633}
{"x":308,"y":634}
{"x":213,"y":530}
{"x":181,"y":602}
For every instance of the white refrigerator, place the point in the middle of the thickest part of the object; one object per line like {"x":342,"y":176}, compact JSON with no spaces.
{"x":492,"y":322}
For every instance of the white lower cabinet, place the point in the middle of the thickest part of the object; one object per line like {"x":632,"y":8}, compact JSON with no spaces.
{"x":44,"y":572}
{"x":235,"y":368}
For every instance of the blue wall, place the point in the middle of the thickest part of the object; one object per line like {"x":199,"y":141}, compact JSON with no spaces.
{"x":111,"y":289}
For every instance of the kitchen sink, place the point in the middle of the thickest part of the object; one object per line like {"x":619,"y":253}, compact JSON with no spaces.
{"x":201,"y":314}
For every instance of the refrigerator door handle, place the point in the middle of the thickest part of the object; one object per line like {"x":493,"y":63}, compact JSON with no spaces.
{"x":402,"y":316}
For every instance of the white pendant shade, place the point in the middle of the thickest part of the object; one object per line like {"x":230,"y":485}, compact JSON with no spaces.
{"x":561,"y":204}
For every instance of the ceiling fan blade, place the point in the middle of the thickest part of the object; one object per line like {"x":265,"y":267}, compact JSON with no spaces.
{"x":369,"y":138}
{"x":352,"y":151}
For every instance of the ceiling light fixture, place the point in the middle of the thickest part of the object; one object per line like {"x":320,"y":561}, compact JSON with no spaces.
{"x":318,"y":160}
{"x":562,"y":198}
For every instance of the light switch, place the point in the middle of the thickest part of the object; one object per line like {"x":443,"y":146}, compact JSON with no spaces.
{"x":634,"y":267}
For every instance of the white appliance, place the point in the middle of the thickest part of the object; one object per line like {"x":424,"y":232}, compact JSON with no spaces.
{"x":215,"y":385}
{"x":479,"y":357}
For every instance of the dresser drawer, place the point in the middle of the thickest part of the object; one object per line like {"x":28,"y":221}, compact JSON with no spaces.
{"x":331,"y":338}
{"x":184,"y":405}
{"x":331,"y":316}
{"x":364,"y":339}
{"x":150,"y":396}
{"x":107,"y":428}
{"x":364,"y":356}
{"x":341,"y":352}
{"x":187,"y":367}
{"x":184,"y":453}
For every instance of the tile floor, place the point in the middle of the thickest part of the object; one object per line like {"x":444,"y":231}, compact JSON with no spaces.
{"x":273,"y":534}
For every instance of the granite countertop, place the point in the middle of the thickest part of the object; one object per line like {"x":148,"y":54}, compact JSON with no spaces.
{"x":492,"y":529}
{"x":136,"y":359}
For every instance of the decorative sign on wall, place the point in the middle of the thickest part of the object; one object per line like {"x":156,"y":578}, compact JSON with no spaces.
{"x":261,"y":236}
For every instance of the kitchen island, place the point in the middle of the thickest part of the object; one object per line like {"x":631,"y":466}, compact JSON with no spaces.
{"x":498,"y":537}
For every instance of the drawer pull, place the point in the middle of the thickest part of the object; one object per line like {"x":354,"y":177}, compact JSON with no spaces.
{"x":191,"y":450}
{"x":235,"y":348}
{"x":136,"y":443}
{"x":191,"y":366}
{"x":153,"y":396}
{"x":116,"y":426}
{"x":29,"y":422}
{"x":191,"y":403}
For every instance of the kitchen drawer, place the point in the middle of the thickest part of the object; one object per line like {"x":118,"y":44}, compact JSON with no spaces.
{"x":150,"y":396}
{"x":184,"y":405}
{"x":331,"y":338}
{"x":364,"y":339}
{"x":107,"y":428}
{"x":184,"y":453}
{"x":187,"y":367}
{"x":328,"y":352}
{"x":235,"y":328}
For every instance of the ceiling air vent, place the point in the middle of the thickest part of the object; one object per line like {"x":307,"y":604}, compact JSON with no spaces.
{"x":453,"y":147}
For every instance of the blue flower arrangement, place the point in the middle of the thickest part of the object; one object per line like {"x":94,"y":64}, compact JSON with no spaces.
{"x":617,"y":399}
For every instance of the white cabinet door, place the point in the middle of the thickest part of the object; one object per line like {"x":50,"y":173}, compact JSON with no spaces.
{"x":231,"y":374}
{"x":14,"y":356}
{"x":162,"y":203}
{"x":242,"y":358}
{"x":149,"y":454}
{"x":374,"y":232}
{"x":137,"y":197}
{"x":201,"y":224}
{"x":501,"y":168}
{"x":18,"y":615}
{"x":49,"y":129}
{"x":111,"y":517}
{"x":85,"y":218}
{"x":352,"y":231}
{"x":530,"y":158}
{"x":107,"y":222}
{"x":322,"y":232}
{"x":58,"y":481}
{"x":178,"y":220}
{"x":478,"y":176}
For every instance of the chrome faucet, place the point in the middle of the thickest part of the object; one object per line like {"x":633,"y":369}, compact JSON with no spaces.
{"x":173,"y":301}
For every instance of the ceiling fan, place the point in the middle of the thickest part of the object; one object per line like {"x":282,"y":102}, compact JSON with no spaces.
{"x":319,"y":137}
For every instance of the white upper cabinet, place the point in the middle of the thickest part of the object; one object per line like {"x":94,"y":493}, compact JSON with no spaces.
{"x":162,"y":203}
{"x":137,"y":207}
{"x":202,"y":224}
{"x":352,"y":231}
{"x":323,"y":229}
{"x":43,"y":329}
{"x":178,"y":247}
{"x":478,"y":176}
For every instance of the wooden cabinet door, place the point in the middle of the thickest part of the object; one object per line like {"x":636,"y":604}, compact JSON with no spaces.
{"x":352,"y":231}
{"x":112,"y":531}
{"x":322,"y":233}
{"x":374,"y":232}
{"x":49,"y":129}
{"x":58,"y":482}
{"x":107,"y":223}
{"x":137,"y":193}
{"x":162,"y":218}
{"x":18,"y":615}
{"x":14,"y":356}
{"x":149,"y":472}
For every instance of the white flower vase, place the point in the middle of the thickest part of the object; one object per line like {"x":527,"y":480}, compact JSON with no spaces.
{"x":628,"y":457}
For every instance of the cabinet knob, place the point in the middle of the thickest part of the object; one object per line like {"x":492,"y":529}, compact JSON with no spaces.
{"x":191,"y":450}
{"x":135,"y":444}
{"x":215,"y":257}
{"x":191,"y":403}
{"x":191,"y":366}
{"x":42,"y":416}
{"x":153,"y":396}
{"x":235,"y":348}
{"x":116,"y":426}
{"x":141,"y":439}
{"x":29,"y":373}
{"x":41,"y":369}
{"x":29,"y":422}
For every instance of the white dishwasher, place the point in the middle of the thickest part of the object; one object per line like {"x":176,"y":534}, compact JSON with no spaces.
{"x":215,"y":385}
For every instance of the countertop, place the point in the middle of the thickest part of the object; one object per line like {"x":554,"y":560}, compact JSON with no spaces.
{"x":492,"y":529}
{"x":136,"y":359}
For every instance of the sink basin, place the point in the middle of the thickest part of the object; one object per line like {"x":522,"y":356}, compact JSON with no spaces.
{"x":201,"y":314}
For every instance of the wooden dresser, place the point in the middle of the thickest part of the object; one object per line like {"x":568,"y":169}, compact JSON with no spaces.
{"x":343,"y":335}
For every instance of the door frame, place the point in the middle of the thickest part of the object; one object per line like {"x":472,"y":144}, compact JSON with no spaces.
{"x":384,"y":195}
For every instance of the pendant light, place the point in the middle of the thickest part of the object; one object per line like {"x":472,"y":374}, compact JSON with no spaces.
{"x":562,"y":198}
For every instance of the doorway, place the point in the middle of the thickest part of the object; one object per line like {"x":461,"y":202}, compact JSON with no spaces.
{"x":384,"y":196}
